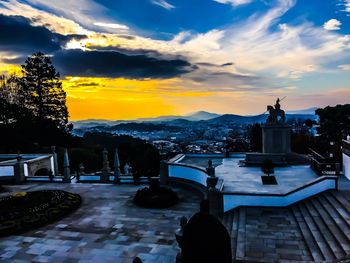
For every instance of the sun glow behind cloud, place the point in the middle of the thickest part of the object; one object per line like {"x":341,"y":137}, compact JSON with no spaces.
{"x":120,"y":98}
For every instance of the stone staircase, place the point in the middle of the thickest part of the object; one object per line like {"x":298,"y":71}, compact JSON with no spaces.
{"x":314,"y":230}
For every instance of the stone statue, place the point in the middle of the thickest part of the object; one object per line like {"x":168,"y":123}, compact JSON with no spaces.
{"x":127,"y":168}
{"x":210,"y":169}
{"x":276,"y":115}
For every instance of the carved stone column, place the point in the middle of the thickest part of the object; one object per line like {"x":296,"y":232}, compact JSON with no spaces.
{"x":66,"y":167}
{"x":116,"y":167}
{"x":105,"y":167}
{"x":214,"y":197}
{"x":19,"y":170}
{"x":55,"y":162}
{"x":163,"y":173}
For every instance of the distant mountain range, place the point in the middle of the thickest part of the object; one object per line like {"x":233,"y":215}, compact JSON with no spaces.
{"x":309,"y":111}
{"x":196,"y":116}
{"x":203,"y":117}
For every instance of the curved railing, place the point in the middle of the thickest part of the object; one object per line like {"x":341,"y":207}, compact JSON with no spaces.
{"x":233,"y":200}
{"x":188,"y":172}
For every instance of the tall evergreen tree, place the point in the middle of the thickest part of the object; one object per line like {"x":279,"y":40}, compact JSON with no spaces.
{"x":42,"y":89}
{"x":11,"y":104}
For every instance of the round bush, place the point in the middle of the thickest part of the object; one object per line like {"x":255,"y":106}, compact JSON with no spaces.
{"x":155,"y":196}
{"x":27,"y":210}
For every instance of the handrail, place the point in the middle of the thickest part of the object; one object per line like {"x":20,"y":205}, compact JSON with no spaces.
{"x":24,"y":155}
{"x":177,"y":158}
{"x":313,"y":152}
{"x":189,"y":166}
{"x":288,"y":193}
{"x":38,"y":158}
{"x":6,"y":164}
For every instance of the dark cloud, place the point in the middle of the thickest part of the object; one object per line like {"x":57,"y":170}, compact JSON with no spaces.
{"x":127,"y":37}
{"x":138,"y":51}
{"x":225,"y":79}
{"x":206,"y":64}
{"x":117,"y":64}
{"x":227,"y":64}
{"x":18,"y":36}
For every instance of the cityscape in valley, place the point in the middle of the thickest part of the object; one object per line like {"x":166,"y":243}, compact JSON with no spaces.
{"x":200,"y":132}
{"x":162,"y":131}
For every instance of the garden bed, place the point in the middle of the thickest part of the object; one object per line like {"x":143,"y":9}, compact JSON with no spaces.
{"x":23,"y":211}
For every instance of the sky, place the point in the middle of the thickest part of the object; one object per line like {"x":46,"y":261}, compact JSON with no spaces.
{"x":128,"y":59}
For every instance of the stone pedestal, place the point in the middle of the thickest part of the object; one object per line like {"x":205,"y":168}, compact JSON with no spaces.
{"x":276,"y":138}
{"x":163,"y":173}
{"x":19,"y":170}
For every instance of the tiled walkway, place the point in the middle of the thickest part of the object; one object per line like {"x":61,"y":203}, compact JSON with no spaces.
{"x":108,"y":227}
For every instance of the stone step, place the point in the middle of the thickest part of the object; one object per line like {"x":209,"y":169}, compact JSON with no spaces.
{"x":330,"y":207}
{"x":342,"y":212}
{"x":310,"y":240}
{"x":335,"y":223}
{"x":342,"y":200}
{"x":230,"y":220}
{"x":226,"y":220}
{"x":234,"y":231}
{"x":325,"y":230}
{"x":241,"y":240}
{"x":317,"y":235}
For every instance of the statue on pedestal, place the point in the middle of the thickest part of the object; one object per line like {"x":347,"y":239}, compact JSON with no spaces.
{"x":276,"y":115}
{"x":127,"y":169}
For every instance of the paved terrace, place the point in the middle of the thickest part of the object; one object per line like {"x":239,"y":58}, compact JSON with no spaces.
{"x":238,"y":178}
{"x":108,"y":227}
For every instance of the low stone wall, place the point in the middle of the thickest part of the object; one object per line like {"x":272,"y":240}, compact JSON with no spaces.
{"x":234,"y":200}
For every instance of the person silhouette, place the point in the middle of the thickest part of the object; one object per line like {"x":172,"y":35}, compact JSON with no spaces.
{"x":205,"y":239}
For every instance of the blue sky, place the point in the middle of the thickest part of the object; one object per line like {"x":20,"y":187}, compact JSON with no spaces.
{"x":216,"y":55}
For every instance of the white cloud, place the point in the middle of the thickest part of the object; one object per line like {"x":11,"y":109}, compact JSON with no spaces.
{"x":345,"y":67}
{"x":347,"y":5}
{"x":38,"y":17}
{"x":332,"y":24}
{"x":289,"y":51}
{"x":234,"y":2}
{"x":84,"y":12}
{"x":258,"y":46}
{"x":115,"y":26}
{"x":164,"y":4}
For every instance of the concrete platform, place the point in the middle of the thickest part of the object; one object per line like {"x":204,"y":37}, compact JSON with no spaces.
{"x":242,"y":179}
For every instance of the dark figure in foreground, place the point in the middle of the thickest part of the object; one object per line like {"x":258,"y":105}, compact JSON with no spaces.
{"x":205,"y":239}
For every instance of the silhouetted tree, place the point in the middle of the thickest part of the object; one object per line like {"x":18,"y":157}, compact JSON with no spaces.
{"x":41,"y":87}
{"x":12,"y":109}
{"x":142,"y":156}
{"x":309,"y":123}
{"x":334,"y":122}
{"x":33,"y":111}
{"x":334,"y":125}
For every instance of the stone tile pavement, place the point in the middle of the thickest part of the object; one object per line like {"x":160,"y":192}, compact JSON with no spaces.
{"x":108,"y":227}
